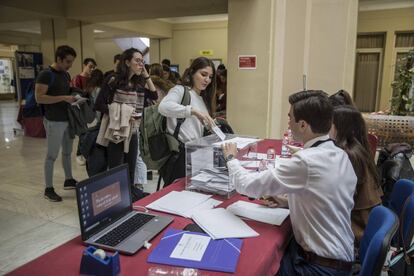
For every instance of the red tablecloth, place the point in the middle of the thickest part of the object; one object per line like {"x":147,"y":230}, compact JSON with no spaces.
{"x":259,"y":256}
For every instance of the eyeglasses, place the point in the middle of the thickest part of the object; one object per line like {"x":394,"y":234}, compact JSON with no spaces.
{"x":139,"y":60}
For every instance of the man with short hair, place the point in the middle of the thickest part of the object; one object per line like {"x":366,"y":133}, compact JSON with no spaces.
{"x":166,"y":61}
{"x":117,"y":59}
{"x":320,"y":183}
{"x":80,"y":81}
{"x":52,"y":90}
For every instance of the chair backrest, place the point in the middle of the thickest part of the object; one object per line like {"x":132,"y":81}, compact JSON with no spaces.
{"x":373,"y":142}
{"x":381,"y":227}
{"x":401,"y":191}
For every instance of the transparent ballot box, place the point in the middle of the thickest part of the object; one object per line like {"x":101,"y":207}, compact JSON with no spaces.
{"x":206,"y":169}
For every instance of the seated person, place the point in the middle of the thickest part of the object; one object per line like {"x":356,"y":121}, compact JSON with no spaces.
{"x":349,"y":132}
{"x":320,"y":183}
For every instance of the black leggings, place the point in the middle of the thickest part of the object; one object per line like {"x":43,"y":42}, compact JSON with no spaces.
{"x":116,"y":156}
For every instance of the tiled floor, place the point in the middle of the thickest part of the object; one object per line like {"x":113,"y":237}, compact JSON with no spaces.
{"x":29,"y":224}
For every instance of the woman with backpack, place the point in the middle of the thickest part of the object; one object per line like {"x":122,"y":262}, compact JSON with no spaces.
{"x":350,"y":133}
{"x":200,"y":78}
{"x":126,"y":86}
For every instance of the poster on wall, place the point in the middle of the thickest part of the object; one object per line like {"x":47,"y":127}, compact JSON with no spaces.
{"x":28,"y":65}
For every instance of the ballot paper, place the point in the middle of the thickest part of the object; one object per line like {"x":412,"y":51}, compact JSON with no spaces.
{"x":208,"y":204}
{"x":241,"y":142}
{"x":79,"y":100}
{"x":178,"y":203}
{"x":191,"y":247}
{"x":258,"y":212}
{"x":219,"y":133}
{"x":220,"y":224}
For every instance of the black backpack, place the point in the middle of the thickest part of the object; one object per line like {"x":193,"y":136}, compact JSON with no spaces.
{"x":393,"y":164}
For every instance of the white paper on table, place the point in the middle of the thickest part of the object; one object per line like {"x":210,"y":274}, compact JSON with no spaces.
{"x":219,"y":133}
{"x":191,"y":247}
{"x":241,"y":142}
{"x":258,"y":212}
{"x":201,"y":159}
{"x":220,"y":224}
{"x":208,"y":204}
{"x":256,"y":155}
{"x":178,"y":202}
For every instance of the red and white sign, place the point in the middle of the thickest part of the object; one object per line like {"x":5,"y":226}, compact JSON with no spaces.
{"x":247,"y":62}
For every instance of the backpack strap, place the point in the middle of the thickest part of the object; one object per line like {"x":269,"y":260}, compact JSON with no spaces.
{"x":184,"y":101}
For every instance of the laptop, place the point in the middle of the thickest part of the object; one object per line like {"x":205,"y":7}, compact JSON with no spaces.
{"x":107,"y":218}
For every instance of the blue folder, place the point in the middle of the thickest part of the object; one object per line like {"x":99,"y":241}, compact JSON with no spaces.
{"x":220,"y":255}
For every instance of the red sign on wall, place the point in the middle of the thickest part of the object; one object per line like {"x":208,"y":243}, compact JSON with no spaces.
{"x":247,"y":62}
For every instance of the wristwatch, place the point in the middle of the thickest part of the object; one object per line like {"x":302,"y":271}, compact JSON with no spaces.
{"x":229,"y":157}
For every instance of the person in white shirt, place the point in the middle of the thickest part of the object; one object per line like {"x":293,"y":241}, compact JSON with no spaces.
{"x":320,"y":183}
{"x":200,"y":78}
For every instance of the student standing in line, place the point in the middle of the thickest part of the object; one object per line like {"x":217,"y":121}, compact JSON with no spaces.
{"x":117,"y":59}
{"x":320,"y":183}
{"x":200,"y":78}
{"x":350,"y":133}
{"x":52,"y":90}
{"x":80,"y":81}
{"x":127,"y":86}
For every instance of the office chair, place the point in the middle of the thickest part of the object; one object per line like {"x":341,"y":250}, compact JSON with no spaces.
{"x":402,"y":203}
{"x":375,"y":243}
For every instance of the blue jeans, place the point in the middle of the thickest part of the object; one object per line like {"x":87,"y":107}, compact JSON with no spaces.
{"x":293,"y":264}
{"x":57,"y":135}
{"x":140,"y":168}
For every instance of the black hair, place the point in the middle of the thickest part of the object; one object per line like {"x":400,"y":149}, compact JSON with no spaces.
{"x":313,"y":107}
{"x":352,"y":137}
{"x":117,"y":57}
{"x":209,"y":94}
{"x":122,"y":70}
{"x":96,"y":80}
{"x":166,"y":68}
{"x":341,"y":98}
{"x":63,"y":51}
{"x":87,"y":60}
{"x":166,"y":62}
{"x":221,"y":67}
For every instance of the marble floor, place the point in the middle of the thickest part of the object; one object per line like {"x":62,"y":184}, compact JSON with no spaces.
{"x":29,"y":224}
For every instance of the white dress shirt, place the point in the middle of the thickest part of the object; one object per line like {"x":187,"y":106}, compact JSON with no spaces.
{"x":171,"y":107}
{"x":320,"y":183}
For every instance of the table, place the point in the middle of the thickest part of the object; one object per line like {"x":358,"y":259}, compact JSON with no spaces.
{"x":259,"y":255}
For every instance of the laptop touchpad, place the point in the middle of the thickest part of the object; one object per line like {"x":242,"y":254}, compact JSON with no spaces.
{"x":136,"y":240}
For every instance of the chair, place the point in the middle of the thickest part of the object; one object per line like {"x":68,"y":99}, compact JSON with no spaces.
{"x":373,"y":142}
{"x":375,"y":243}
{"x":402,"y":203}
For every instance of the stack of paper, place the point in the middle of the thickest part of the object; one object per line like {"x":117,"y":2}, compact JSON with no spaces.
{"x":220,"y":224}
{"x":212,"y":180}
{"x":258,"y":212}
{"x":183,"y":203}
{"x":241,"y":142}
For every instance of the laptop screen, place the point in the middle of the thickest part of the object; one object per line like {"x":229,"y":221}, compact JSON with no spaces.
{"x":103,"y":199}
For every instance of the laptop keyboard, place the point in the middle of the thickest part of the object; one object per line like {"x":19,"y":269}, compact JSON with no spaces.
{"x":118,"y":234}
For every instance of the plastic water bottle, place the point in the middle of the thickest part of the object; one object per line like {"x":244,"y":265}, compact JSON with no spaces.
{"x":285,"y":153}
{"x":173,"y":271}
{"x":271,"y":156}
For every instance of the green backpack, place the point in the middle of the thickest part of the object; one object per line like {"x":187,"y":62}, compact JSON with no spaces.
{"x":156,"y":144}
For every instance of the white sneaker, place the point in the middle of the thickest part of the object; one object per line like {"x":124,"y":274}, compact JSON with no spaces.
{"x":81,"y":160}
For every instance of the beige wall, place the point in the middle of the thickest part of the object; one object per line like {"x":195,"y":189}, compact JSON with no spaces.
{"x":386,"y":21}
{"x":290,"y":38}
{"x":105,"y":49}
{"x":189,"y":39}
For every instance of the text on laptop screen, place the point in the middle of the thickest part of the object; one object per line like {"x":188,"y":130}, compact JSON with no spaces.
{"x":104,"y":197}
